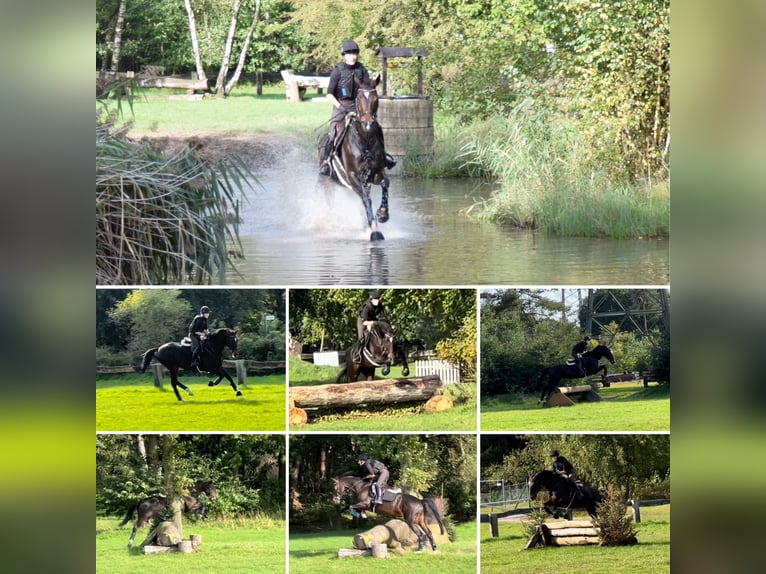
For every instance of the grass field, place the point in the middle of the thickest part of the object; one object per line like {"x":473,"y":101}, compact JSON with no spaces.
{"x":244,"y":112}
{"x":314,"y":553}
{"x":626,"y":407}
{"x":651,"y":555}
{"x":252,"y":546}
{"x":384,"y":418}
{"x":133,"y":403}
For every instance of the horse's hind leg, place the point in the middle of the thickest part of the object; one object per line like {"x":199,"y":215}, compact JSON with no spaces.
{"x":176,"y":383}
{"x":133,"y":535}
{"x":214,"y":383}
{"x":382,"y":213}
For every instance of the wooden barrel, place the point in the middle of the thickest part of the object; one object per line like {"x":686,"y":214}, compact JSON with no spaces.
{"x":408,"y":124}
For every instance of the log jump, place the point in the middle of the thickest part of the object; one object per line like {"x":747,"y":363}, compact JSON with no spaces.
{"x":568,"y":396}
{"x":566,"y":533}
{"x":385,"y":391}
{"x":394,"y":535}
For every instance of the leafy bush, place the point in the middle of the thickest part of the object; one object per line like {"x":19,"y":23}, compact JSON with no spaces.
{"x":616,"y":527}
{"x":108,"y":357}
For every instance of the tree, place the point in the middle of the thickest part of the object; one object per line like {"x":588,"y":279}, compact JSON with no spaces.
{"x":117,"y":45}
{"x":154,"y":317}
{"x":243,"y":53}
{"x":224,"y":69}
{"x":194,"y":42}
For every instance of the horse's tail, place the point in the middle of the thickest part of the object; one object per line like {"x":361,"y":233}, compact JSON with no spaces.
{"x":430,"y":506}
{"x":148,"y":356}
{"x":343,"y":375}
{"x":129,"y":515}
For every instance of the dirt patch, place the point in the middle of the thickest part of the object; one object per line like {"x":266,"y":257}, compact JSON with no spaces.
{"x":259,"y":152}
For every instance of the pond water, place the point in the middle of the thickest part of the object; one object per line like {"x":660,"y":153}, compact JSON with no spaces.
{"x":299,"y":229}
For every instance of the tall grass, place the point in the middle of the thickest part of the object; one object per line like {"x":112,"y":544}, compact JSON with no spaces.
{"x":163,"y":219}
{"x":553,"y":180}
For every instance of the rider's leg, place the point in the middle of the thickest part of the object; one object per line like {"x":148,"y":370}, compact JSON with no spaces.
{"x":196,"y":346}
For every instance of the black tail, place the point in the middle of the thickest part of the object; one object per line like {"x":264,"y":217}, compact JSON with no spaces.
{"x":129,"y":515}
{"x":342,"y":376}
{"x":430,"y":505}
{"x":148,"y":356}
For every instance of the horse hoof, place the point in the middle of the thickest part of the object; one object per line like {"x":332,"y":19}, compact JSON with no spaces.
{"x":191,"y":393}
{"x":239,"y":393}
{"x":376,"y":236}
{"x":406,"y":371}
{"x":210,"y":384}
{"x":385,"y":370}
{"x":382,"y":215}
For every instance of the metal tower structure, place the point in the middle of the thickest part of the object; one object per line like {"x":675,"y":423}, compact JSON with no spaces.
{"x":642,"y":310}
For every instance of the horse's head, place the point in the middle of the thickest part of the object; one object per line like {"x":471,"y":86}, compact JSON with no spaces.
{"x":338,"y":491}
{"x":382,"y":342}
{"x":367,"y":103}
{"x":607,"y":352}
{"x":205,"y":486}
{"x":230,"y":341}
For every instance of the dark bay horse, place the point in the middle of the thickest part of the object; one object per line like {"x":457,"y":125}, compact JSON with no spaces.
{"x":378,"y":350}
{"x":563,"y":494}
{"x":175,"y":357}
{"x":590,"y":362}
{"x":410,"y":508}
{"x":149,"y":508}
{"x":359,"y":160}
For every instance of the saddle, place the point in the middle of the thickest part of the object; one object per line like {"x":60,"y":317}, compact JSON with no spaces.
{"x":388,"y":494}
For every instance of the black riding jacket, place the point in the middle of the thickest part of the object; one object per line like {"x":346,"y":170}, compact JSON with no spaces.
{"x":370,"y":312}
{"x":342,"y":84}
{"x":374,"y":466}
{"x":199,"y":323}
{"x":580,"y":347}
{"x":562,"y":465}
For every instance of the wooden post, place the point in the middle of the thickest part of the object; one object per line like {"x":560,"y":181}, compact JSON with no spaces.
{"x":185,"y":547}
{"x":384,"y":75}
{"x":636,"y":510}
{"x":379,"y":551}
{"x":241,"y":372}
{"x":157,"y":372}
{"x":493,"y":528}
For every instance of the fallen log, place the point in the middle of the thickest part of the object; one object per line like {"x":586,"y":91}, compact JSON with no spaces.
{"x":348,"y":552}
{"x":386,"y":391}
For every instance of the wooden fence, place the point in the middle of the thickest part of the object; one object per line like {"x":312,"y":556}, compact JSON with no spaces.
{"x":447,"y":372}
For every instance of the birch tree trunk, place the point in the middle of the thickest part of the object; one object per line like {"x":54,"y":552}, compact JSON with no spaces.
{"x":222,"y":73}
{"x":243,"y":55}
{"x":195,"y":44}
{"x":117,"y":44}
{"x":168,"y":463}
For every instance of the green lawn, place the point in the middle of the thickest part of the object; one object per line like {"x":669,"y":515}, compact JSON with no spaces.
{"x":133,"y":403}
{"x":244,"y":112}
{"x":248,"y":546}
{"x":315,"y":553}
{"x":651,"y":555}
{"x":384,"y":418}
{"x":626,"y":407}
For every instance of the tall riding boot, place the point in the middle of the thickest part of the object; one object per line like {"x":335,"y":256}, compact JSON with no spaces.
{"x":326,"y":167}
{"x":378,"y":495}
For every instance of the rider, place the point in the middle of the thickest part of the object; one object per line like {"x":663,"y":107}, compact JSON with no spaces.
{"x":341,"y":91}
{"x":375,"y":467}
{"x":577,"y":352}
{"x":371,"y":311}
{"x":563,"y":467}
{"x":197,"y":334}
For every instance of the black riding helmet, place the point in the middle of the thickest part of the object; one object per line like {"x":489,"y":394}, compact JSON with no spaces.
{"x":349,"y":46}
{"x":375,"y":294}
{"x":204,"y":309}
{"x":362,"y":458}
{"x":554,"y":453}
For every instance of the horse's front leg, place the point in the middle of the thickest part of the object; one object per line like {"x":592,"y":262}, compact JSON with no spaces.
{"x":232,"y":383}
{"x":372,"y":223}
{"x":382,"y":213}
